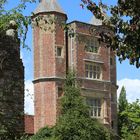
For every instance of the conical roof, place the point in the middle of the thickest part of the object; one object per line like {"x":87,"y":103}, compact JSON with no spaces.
{"x":48,"y":6}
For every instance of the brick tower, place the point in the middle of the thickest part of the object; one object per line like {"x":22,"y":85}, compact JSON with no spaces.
{"x":93,"y":63}
{"x":49,"y":61}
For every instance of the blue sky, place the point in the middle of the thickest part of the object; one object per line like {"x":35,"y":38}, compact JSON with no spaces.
{"x":127,"y":75}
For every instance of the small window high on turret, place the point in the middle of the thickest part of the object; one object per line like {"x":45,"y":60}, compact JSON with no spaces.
{"x":59,"y":51}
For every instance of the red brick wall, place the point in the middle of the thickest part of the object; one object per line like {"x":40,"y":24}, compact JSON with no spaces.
{"x":60,"y":62}
{"x":45,"y":104}
{"x":36,"y":37}
{"x":113,"y":68}
{"x":44,"y":57}
{"x":29,"y":124}
{"x":103,"y":86}
{"x":47,"y":65}
{"x":103,"y":55}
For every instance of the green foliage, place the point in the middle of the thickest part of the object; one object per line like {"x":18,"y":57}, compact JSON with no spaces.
{"x":72,"y":100}
{"x":15,"y":14}
{"x":74,"y":122}
{"x":23,"y":137}
{"x":132,"y":113}
{"x":124,"y":26}
{"x":43,"y":134}
{"x":128,"y":118}
{"x":122,"y":105}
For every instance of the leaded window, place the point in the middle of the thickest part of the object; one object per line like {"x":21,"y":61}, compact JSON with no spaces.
{"x":93,"y":71}
{"x":92,"y":46}
{"x":95,"y":107}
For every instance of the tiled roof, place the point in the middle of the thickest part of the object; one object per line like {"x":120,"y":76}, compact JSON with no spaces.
{"x":48,"y":6}
{"x":29,"y":124}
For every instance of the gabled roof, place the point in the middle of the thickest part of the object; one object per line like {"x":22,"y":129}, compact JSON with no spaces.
{"x":95,"y":21}
{"x":48,"y":6}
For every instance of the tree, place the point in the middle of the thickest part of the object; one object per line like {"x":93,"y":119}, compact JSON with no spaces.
{"x":122,"y":101}
{"x":122,"y":105}
{"x":15,"y":14}
{"x":128,"y":117}
{"x":124,"y":25}
{"x":74,"y":122}
{"x":131,"y":128}
{"x":45,"y":133}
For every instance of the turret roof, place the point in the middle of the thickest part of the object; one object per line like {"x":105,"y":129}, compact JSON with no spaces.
{"x":48,"y":6}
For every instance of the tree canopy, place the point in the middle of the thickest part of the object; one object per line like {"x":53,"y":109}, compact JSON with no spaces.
{"x":124,"y":25}
{"x":128,"y":117}
{"x":122,"y":101}
{"x":15,"y":14}
{"x":74,"y":122}
{"x":122,"y":105}
{"x":130,"y":129}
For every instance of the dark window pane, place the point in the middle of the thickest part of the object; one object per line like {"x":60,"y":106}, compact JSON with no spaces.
{"x":98,"y":68}
{"x":90,"y":67}
{"x":98,"y":76}
{"x":60,"y":91}
{"x":96,"y":50}
{"x":95,"y":112}
{"x":86,"y":66}
{"x":99,"y":112}
{"x":87,"y":73}
{"x":99,"y":103}
{"x":90,"y":74}
{"x":59,"y":51}
{"x":94,"y":75}
{"x":94,"y":68}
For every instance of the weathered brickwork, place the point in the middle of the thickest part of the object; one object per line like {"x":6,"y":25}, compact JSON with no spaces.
{"x":48,"y":69}
{"x":104,"y":88}
{"x":51,"y":58}
{"x":29,"y":124}
{"x":11,"y":84}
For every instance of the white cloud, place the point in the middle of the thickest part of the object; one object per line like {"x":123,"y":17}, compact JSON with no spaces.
{"x":132,"y":87}
{"x":29,"y":98}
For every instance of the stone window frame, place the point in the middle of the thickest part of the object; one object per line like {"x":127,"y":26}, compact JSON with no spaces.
{"x":93,"y":71}
{"x":60,"y":91}
{"x":56,"y":51}
{"x":92,"y":46}
{"x":96,"y":107}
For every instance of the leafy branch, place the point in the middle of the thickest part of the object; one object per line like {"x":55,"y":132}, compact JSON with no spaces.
{"x":15,"y":14}
{"x":124,"y":22}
